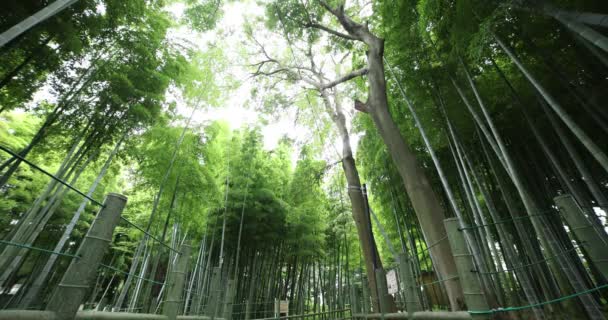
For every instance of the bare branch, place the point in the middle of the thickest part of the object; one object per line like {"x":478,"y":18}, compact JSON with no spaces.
{"x":352,"y":75}
{"x":355,"y":30}
{"x":328,"y":30}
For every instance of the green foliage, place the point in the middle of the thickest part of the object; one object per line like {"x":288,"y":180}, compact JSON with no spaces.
{"x":202,"y":15}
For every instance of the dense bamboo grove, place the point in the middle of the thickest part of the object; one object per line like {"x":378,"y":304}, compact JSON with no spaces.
{"x":489,"y":115}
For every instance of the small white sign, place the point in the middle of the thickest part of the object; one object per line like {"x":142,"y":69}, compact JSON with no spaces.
{"x":391,"y":280}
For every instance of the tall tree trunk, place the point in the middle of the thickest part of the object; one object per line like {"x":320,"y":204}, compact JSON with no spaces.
{"x":355,"y":194}
{"x":424,"y":200}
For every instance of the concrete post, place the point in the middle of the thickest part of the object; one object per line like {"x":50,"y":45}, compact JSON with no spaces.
{"x":228,"y":300}
{"x":175,"y":284}
{"x":80,"y":275}
{"x":408,"y":285}
{"x":588,"y":236}
{"x":247,"y":310}
{"x":213,"y":301}
{"x":383,"y":299}
{"x":474,"y":296}
{"x":277,"y":308}
{"x":354,"y":299}
{"x":366,"y":296}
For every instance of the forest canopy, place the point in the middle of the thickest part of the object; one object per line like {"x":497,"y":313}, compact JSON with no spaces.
{"x":340,"y":155}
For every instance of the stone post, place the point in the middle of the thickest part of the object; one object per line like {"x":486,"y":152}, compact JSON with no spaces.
{"x":383,"y":299}
{"x":247,"y":310}
{"x":277,"y":308}
{"x":80,"y":275}
{"x":366,"y":296}
{"x":408,"y":285}
{"x":175,"y":284}
{"x":471,"y":285}
{"x":589,"y":237}
{"x":354,"y":302}
{"x":228,"y":300}
{"x":212,"y":304}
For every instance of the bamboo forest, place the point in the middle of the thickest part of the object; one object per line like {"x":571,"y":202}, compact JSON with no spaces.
{"x":303,"y":159}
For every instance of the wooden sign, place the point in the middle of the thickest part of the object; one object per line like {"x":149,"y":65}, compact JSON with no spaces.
{"x":284,"y":307}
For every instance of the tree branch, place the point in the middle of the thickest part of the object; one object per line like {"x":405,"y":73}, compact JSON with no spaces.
{"x":329,"y":30}
{"x":352,"y":75}
{"x":361,"y":106}
{"x":355,"y":30}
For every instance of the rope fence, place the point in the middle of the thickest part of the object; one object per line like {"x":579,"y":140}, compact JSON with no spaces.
{"x":433,"y":244}
{"x":149,"y":235}
{"x":96,"y":202}
{"x":16,"y":155}
{"x":532,"y":263}
{"x":542,"y":213}
{"x":25,"y":246}
{"x":540,"y":304}
{"x":439,"y":281}
{"x":130,"y":274}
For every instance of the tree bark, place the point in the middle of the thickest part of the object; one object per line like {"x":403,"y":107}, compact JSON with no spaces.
{"x":424,"y":200}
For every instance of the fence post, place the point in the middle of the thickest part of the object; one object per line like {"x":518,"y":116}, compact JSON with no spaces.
{"x":228,"y":300}
{"x":248,"y":310}
{"x":383,"y":296}
{"x":175,"y":283}
{"x":354,"y":302}
{"x":366,"y":297}
{"x":408,"y":285}
{"x":588,"y":236}
{"x":474,"y":296}
{"x":81,"y":272}
{"x":214,"y":293}
{"x":277,"y":308}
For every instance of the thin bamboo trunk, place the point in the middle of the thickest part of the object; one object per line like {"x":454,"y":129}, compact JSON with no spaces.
{"x":582,"y":168}
{"x":47,"y":213}
{"x":593,"y":148}
{"x":9,"y":76}
{"x":572,"y":21}
{"x":45,"y":13}
{"x":547,"y":237}
{"x":34,"y":290}
{"x":155,"y":204}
